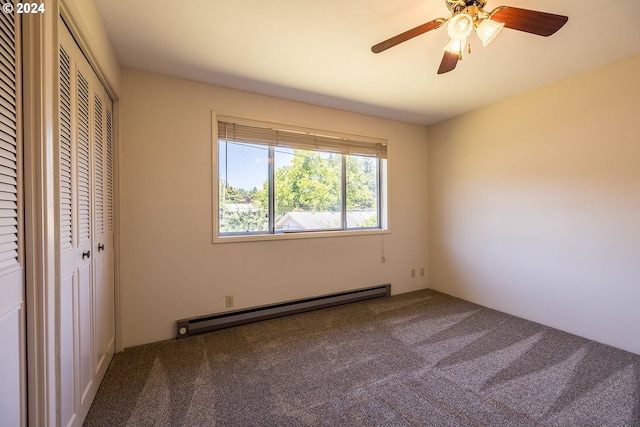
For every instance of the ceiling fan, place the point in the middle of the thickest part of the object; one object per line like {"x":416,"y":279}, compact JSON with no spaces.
{"x":467,"y":15}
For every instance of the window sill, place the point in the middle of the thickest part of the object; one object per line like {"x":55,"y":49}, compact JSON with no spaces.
{"x":299,"y":235}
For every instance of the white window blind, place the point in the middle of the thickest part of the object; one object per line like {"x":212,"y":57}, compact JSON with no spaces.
{"x":299,"y":139}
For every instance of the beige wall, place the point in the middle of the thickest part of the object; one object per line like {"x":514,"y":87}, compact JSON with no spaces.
{"x":170,"y":269}
{"x":534,"y":205}
{"x":533,"y":208}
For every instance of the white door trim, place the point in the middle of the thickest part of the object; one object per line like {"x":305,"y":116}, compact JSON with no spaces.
{"x":40,"y":112}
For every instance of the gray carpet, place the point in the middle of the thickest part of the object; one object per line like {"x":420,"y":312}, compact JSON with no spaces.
{"x":417,"y":359}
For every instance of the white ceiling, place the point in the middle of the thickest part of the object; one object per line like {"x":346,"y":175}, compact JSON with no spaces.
{"x":318,"y":51}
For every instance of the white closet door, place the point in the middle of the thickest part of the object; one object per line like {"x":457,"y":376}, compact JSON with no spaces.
{"x":86,"y":270}
{"x":12,"y":327}
{"x":103,"y":229}
{"x":68,"y":277}
{"x":76,"y":284}
{"x":83,"y":248}
{"x":109,"y":241}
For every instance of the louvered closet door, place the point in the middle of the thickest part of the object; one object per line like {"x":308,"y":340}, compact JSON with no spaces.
{"x":12,"y":332}
{"x":103,"y":228}
{"x":12,"y":357}
{"x":86,"y":270}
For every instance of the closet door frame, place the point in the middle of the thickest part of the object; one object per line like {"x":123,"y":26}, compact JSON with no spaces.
{"x":40,"y":124}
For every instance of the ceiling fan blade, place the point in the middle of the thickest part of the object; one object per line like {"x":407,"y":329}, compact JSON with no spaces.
{"x":529,"y":21}
{"x":449,"y":62}
{"x":421,"y":29}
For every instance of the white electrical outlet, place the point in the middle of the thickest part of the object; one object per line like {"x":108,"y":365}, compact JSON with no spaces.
{"x":228,"y":301}
{"x":413,"y":272}
{"x":422,"y":272}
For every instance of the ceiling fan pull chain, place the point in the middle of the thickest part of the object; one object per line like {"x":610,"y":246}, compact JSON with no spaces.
{"x":469,"y":48}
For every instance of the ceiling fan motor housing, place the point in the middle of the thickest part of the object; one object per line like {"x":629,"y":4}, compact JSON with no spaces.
{"x":469,"y":7}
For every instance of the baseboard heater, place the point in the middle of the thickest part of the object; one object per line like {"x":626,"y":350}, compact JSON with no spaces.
{"x":198,"y":325}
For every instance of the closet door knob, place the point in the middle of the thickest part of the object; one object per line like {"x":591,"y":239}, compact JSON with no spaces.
{"x":86,"y":254}
{"x":100,"y":247}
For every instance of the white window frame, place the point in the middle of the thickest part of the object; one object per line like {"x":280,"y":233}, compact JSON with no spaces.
{"x":383,"y":185}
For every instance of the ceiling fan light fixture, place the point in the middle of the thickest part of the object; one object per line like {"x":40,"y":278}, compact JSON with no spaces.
{"x":460,"y":26}
{"x":488,"y":29}
{"x":455,"y":46}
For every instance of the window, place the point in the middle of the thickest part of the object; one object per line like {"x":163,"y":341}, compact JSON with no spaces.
{"x":275,"y":180}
